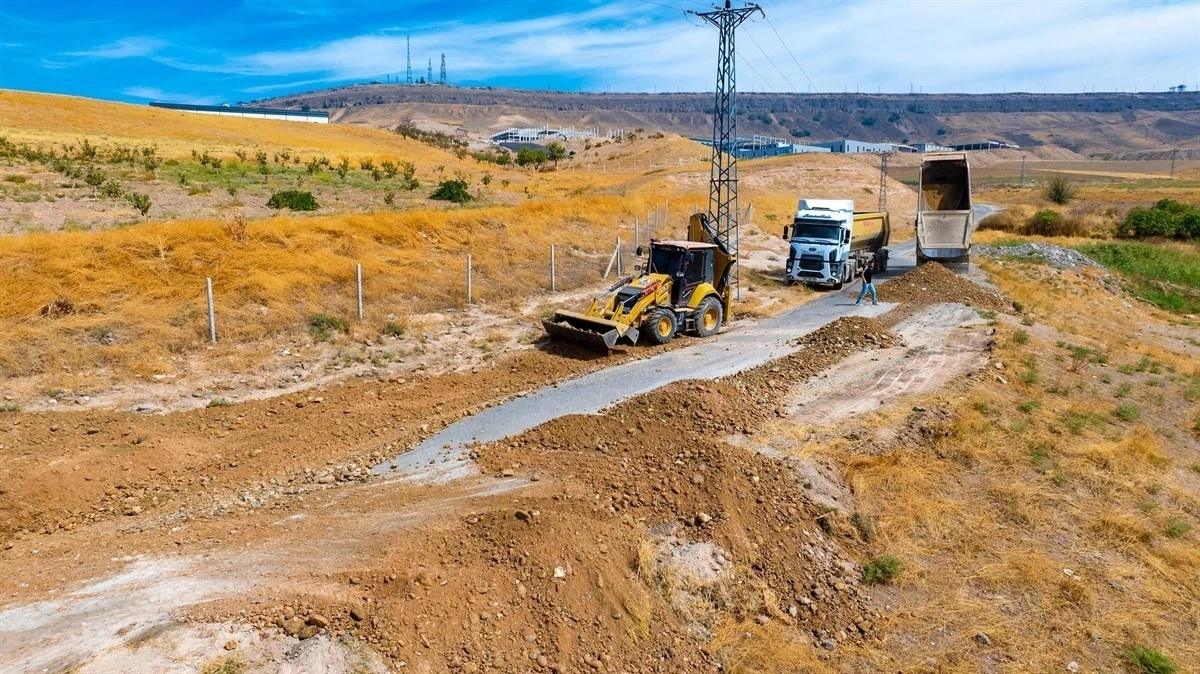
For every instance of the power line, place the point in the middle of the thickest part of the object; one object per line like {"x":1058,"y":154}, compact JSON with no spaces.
{"x":659,"y":4}
{"x":789,"y":51}
{"x":769,"y":60}
{"x":760,"y":75}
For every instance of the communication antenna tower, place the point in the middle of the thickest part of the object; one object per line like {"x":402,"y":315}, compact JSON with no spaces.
{"x":442,"y":79}
{"x":408,"y":51}
{"x":429,"y":73}
{"x":722,"y":190}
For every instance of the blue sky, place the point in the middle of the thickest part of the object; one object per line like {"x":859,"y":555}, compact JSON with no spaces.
{"x":239,"y":50}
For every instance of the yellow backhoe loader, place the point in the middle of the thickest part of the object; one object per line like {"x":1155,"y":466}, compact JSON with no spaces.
{"x":684,"y":286}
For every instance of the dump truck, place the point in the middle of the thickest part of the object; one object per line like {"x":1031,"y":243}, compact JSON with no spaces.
{"x":683,"y":286}
{"x":830,"y":243}
{"x":945,"y":221}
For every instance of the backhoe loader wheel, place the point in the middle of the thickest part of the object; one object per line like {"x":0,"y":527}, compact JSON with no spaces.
{"x":708,"y":317}
{"x":661,"y":326}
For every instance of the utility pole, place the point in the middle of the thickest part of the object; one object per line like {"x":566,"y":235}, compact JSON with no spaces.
{"x":429,"y":73}
{"x":1173,"y":153}
{"x":1022,"y":170}
{"x":722,"y":191}
{"x":883,"y":171}
{"x":442,"y":79}
{"x":408,"y":51}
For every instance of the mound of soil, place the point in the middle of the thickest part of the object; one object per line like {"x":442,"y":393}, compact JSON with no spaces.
{"x":932,"y":283}
{"x":569,"y":575}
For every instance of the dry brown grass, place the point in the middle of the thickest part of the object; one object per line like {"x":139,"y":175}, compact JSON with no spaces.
{"x":747,"y":647}
{"x":145,"y":284}
{"x":1041,"y":537}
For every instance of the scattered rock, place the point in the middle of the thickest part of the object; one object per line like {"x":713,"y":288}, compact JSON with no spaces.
{"x":309,"y":632}
{"x":828,"y":644}
{"x":317,"y":620}
{"x":230,"y":645}
{"x":293,"y":626}
{"x":983,"y":639}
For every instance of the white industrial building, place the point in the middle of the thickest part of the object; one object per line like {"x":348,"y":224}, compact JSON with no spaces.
{"x":534,"y":134}
{"x":847,"y":146}
{"x":253,"y":113}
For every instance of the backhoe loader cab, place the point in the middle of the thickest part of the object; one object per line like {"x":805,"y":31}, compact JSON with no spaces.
{"x":687,"y":262}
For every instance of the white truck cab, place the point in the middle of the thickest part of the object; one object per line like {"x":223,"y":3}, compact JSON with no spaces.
{"x":830,"y":243}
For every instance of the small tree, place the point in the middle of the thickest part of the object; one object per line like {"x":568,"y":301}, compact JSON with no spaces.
{"x":556,"y":151}
{"x":527,"y":156}
{"x":452,"y":190}
{"x":139,"y":201}
{"x":1060,"y":190}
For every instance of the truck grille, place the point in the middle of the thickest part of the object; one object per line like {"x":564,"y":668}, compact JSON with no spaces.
{"x":808,"y":263}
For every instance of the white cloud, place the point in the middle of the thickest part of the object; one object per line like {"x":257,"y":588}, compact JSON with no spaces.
{"x":936,"y":45}
{"x":156,"y":94}
{"x":125,"y":48}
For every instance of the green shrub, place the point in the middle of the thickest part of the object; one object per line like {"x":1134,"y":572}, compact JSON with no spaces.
{"x":1060,"y":190}
{"x":111,"y":189}
{"x":13,"y":407}
{"x":452,"y":190}
{"x":139,"y":201}
{"x":1021,"y":337}
{"x":218,"y":402}
{"x":882,"y":569}
{"x":1166,"y":218}
{"x":1128,"y":412}
{"x":394,"y":329}
{"x":1176,"y":528}
{"x":294,"y":200}
{"x":320,"y":326}
{"x":1145,"y":660}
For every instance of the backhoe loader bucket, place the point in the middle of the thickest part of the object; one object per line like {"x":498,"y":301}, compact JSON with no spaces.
{"x":596,"y":334}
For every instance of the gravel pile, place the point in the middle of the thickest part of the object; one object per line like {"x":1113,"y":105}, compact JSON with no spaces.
{"x":1055,"y":256}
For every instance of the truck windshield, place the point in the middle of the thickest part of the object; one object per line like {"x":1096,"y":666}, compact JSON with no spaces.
{"x":803,"y":229}
{"x":666,"y":261}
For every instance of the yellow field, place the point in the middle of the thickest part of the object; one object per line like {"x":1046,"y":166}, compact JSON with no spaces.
{"x":55,"y":120}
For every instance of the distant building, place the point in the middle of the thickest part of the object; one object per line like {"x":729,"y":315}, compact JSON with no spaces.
{"x":931,"y":147}
{"x":534,"y":134}
{"x":847,"y":146}
{"x":757,"y":147}
{"x":985,"y":145}
{"x":254,"y":113}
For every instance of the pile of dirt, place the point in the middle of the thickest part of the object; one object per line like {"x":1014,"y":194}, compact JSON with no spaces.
{"x":933,"y":284}
{"x":855,"y":332}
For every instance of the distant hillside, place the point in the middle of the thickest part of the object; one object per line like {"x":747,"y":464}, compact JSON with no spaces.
{"x":1099,"y":123}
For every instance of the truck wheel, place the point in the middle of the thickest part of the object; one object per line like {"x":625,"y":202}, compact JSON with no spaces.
{"x":841,"y":282}
{"x":661,"y":326}
{"x":708,"y":317}
{"x":881,"y":261}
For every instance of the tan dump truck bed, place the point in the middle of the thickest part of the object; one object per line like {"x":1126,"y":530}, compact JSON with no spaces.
{"x":945,"y":219}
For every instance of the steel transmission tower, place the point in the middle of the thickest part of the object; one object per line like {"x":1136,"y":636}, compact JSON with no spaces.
{"x":883,"y":174}
{"x":722,"y":189}
{"x":429,"y":73}
{"x":442,"y":78}
{"x":408,"y":51}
